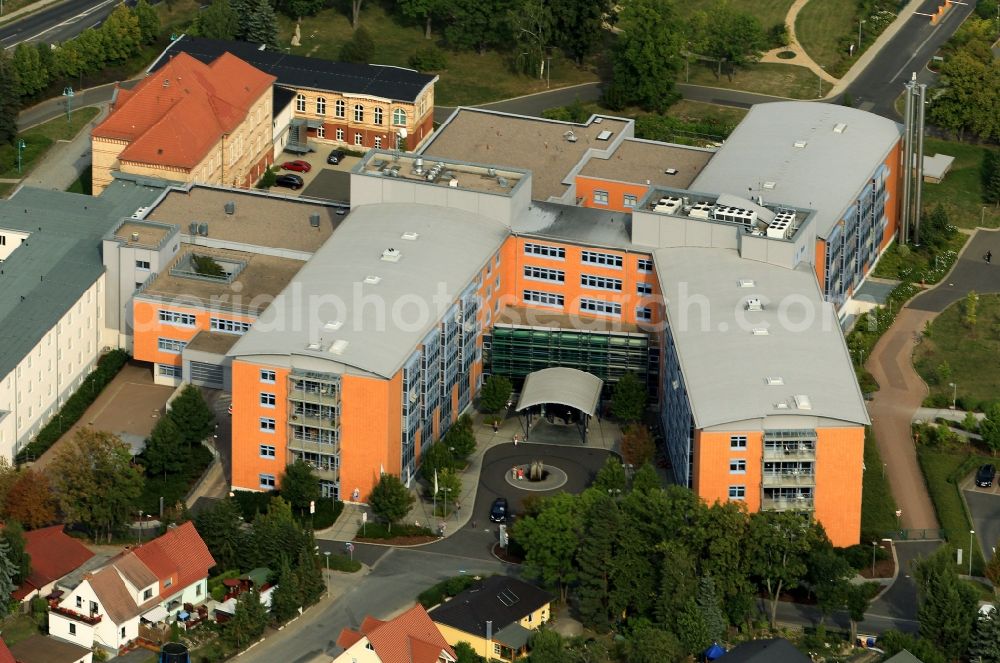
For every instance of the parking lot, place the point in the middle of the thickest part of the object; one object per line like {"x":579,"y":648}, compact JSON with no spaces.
{"x":323,"y":180}
{"x":984,"y":507}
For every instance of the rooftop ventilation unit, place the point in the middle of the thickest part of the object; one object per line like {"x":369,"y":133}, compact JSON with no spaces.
{"x":435,"y":172}
{"x":138,"y":214}
{"x":700,"y":210}
{"x":333,"y":325}
{"x":781,"y":226}
{"x":371,"y":279}
{"x":839,"y":128}
{"x":418,"y":166}
{"x":802,"y":402}
{"x":739,"y":215}
{"x":667,"y":204}
{"x":604,"y":135}
{"x":338,"y":347}
{"x":774,"y":381}
{"x":747,"y":283}
{"x":598,"y":120}
{"x":781,"y":406}
{"x":502,"y":181}
{"x":410,"y":235}
{"x":570,"y":136}
{"x":760,"y":331}
{"x":314,"y":219}
{"x":453,"y":183}
{"x":800,"y":144}
{"x":315,"y":347}
{"x":670,"y":171}
{"x":230,"y":208}
{"x":166,"y":82}
{"x":769,"y":184}
{"x":492,"y":172}
{"x":193,"y":228}
{"x":135,"y":237}
{"x":754,"y":304}
{"x":391,"y":255}
{"x":203,"y":229}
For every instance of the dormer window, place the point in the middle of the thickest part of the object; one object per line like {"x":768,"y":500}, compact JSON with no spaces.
{"x":148,"y":594}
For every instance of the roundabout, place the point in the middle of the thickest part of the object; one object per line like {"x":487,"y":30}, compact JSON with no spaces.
{"x":547,"y":477}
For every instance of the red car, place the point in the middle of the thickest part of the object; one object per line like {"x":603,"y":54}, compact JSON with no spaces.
{"x":299,"y":165}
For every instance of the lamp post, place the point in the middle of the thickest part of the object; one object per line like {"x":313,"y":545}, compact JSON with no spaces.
{"x":874,"y":544}
{"x":445,"y":490}
{"x":954,"y":394}
{"x":68,"y":93}
{"x":860,"y":23}
{"x":140,"y":525}
{"x":20,"y":148}
{"x":972,"y":533}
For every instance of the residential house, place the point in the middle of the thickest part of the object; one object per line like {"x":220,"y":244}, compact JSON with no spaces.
{"x":42,"y":649}
{"x":496,"y":616}
{"x":136,"y":593}
{"x":409,"y":638}
{"x":903,"y":657}
{"x":776,"y":650}
{"x":54,"y":555}
{"x":5,"y":655}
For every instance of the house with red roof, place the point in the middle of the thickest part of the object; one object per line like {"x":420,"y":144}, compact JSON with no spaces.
{"x":54,"y":555}
{"x":189,"y":122}
{"x":136,"y":592}
{"x":409,"y":638}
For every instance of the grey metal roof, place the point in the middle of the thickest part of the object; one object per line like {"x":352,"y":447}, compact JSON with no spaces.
{"x":580,"y":225}
{"x":46,"y":275}
{"x":903,"y":657}
{"x":726,"y":359}
{"x":374,"y":327}
{"x":565,"y":386}
{"x":825,"y":175}
{"x":776,"y":650}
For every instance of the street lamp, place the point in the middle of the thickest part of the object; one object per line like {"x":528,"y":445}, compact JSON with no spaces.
{"x":68,"y":93}
{"x":140,"y":525}
{"x":819,"y":85}
{"x":954,"y":394}
{"x":860,"y":23}
{"x":874,"y":544}
{"x":20,"y":148}
{"x":972,"y":533}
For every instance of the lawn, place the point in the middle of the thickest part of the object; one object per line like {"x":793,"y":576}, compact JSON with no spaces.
{"x":698,"y":112}
{"x":968,"y":353}
{"x":469,"y":78}
{"x":920,"y":265}
{"x":961,"y":192}
{"x":821,"y":28}
{"x":878,"y":508}
{"x":769,"y":12}
{"x":39,"y":139}
{"x":18,"y":627}
{"x":781,"y":80}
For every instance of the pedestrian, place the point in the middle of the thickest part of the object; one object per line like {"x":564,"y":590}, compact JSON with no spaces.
{"x":989,"y":256}
{"x":458,"y":508}
{"x":496,"y":425}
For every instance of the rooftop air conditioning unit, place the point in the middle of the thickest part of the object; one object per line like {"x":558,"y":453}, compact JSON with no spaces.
{"x":754,"y":304}
{"x":570,"y":136}
{"x":230,"y":208}
{"x":391,"y":255}
{"x":135,"y":237}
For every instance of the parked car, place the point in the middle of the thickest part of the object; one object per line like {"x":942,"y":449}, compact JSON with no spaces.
{"x":336,"y":157}
{"x":985,"y":476}
{"x":288,"y":180}
{"x":297,"y":165}
{"x":499,"y":512}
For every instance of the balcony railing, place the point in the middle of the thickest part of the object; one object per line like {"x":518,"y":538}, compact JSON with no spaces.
{"x":297,"y":444}
{"x":787,"y":503}
{"x":326,"y":397}
{"x":316,"y":421}
{"x":785,"y":453}
{"x":789,"y":478}
{"x":76,"y":616}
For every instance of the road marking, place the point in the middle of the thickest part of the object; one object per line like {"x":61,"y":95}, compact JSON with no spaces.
{"x":922,"y":44}
{"x":66,"y":22}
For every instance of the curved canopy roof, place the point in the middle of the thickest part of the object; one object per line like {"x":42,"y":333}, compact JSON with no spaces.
{"x":564,"y":386}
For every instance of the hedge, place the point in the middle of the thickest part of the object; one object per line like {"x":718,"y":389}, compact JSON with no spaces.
{"x":343,"y":563}
{"x":372,"y":530}
{"x":72,"y":410}
{"x":252,"y":503}
{"x":436,"y":594}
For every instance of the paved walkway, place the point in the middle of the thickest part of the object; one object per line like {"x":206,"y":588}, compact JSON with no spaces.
{"x":801,"y":58}
{"x":28,"y":9}
{"x":924,"y":414}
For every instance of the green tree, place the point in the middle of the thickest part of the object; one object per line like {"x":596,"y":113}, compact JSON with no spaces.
{"x":989,"y":428}
{"x":648,"y":644}
{"x":638,"y":447}
{"x":611,"y":478}
{"x":192,"y":415}
{"x":477,"y":24}
{"x":423,"y":10}
{"x":121,"y":34}
{"x":647,"y":56}
{"x":164,"y":452}
{"x":531,"y":28}
{"x":460,"y":440}
{"x":149,"y":21}
{"x":218,"y":21}
{"x":827,"y":577}
{"x":9,"y":99}
{"x":856,"y":599}
{"x":495,"y":394}
{"x":602,"y":527}
{"x":678,"y":582}
{"x":300,"y":485}
{"x":258,"y":22}
{"x":275,"y":533}
{"x":437,"y":458}
{"x":547,"y":646}
{"x":299,"y":8}
{"x":221,"y":528}
{"x":990,"y":175}
{"x":308,"y":573}
{"x":95,"y":481}
{"x":943,"y":372}
{"x":360,"y":48}
{"x":735,"y":37}
{"x":13,"y":535}
{"x":633,"y":577}
{"x":31,"y":76}
{"x":711,"y":609}
{"x":390,"y":500}
{"x":628,"y":400}
{"x":984,"y":645}
{"x":778,"y":545}
{"x":970,"y":422}
{"x":464,"y":653}
{"x":947,"y":607}
{"x":936,"y":229}
{"x":893,"y":642}
{"x":449,"y":487}
{"x":646,"y":479}
{"x":249,"y":620}
{"x":8,"y":574}
{"x":690,"y":628}
{"x":550,"y":540}
{"x":579,"y":24}
{"x":287,"y":597}
{"x":969,"y":308}
{"x":90,"y":44}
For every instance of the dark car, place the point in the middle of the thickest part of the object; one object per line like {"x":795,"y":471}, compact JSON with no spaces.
{"x":298,"y":164}
{"x":498,"y":512}
{"x":336,"y":157}
{"x":985,"y":476}
{"x":288,"y":180}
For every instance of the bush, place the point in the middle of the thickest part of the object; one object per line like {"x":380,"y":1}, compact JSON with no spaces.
{"x":252,"y":504}
{"x":374,"y":530}
{"x":343,"y":563}
{"x":267,"y":180}
{"x":359,"y":49}
{"x":860,"y":556}
{"x":327,"y":512}
{"x":429,"y":58}
{"x":444,"y":589}
{"x":105,"y":371}
{"x":215,"y":587}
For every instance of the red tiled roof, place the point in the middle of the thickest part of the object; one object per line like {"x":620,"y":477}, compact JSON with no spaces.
{"x":5,"y":655}
{"x":173,"y":117}
{"x":54,"y":554}
{"x":409,"y":638}
{"x":179,"y":555}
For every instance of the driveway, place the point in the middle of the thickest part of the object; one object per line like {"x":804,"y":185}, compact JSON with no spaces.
{"x":971,"y":272}
{"x":984,"y":506}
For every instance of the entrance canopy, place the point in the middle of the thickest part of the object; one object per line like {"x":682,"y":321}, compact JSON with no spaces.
{"x":562,"y":386}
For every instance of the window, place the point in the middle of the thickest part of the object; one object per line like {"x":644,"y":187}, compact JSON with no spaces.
{"x":644,"y":313}
{"x":147,"y":594}
{"x":497,"y":649}
{"x":544,"y":274}
{"x":399,"y":117}
{"x":320,"y":132}
{"x":600,"y":282}
{"x":79,"y":602}
{"x":72,"y":628}
{"x":300,"y":103}
{"x":176,"y":318}
{"x":142,"y":264}
{"x":359,"y":113}
{"x":629,"y":200}
{"x":600,"y":197}
{"x":738,"y":466}
{"x":266,"y":451}
{"x":267,"y":376}
{"x":267,"y":424}
{"x":339,"y":108}
{"x":378,"y":115}
{"x":266,"y":399}
{"x":123,"y":631}
{"x":230,"y":326}
{"x":603,"y":259}
{"x":267,"y":481}
{"x":358,"y":138}
{"x":138,"y":285}
{"x":642,"y":288}
{"x":601,"y":306}
{"x":737,"y":492}
{"x":554,"y":252}
{"x":169,"y":371}
{"x":645,"y":265}
{"x":552,"y":299}
{"x":737,"y":441}
{"x":320,"y":105}
{"x":378,"y":142}
{"x":340,"y":135}
{"x":171,"y":345}
{"x":198,"y":589}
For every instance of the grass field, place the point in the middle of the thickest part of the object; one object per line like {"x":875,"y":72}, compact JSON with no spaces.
{"x":469,"y":78}
{"x":961,"y":192}
{"x":878,"y":508}
{"x":769,"y":12}
{"x":967,"y":351}
{"x":698,"y":111}
{"x":782,"y":80}
{"x":18,"y":627}
{"x":821,"y":27}
{"x":39,"y":139}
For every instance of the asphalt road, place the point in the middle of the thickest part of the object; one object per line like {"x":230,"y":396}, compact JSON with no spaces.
{"x":911,"y":48}
{"x":971,"y":272}
{"x":984,"y":506}
{"x":56,"y":23}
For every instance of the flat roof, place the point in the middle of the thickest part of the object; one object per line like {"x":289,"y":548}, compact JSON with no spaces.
{"x":646,"y":161}
{"x":137,"y":233}
{"x":531,"y":143}
{"x":578,"y":225}
{"x":217,"y":343}
{"x":818,"y":156}
{"x":42,"y":649}
{"x":262,"y":277}
{"x":440,"y":172}
{"x":537,"y":318}
{"x":728,"y":354}
{"x":357,"y":304}
{"x":259,"y":219}
{"x":60,"y":259}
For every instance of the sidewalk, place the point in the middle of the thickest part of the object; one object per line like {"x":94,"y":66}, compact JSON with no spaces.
{"x":925,"y":414}
{"x":65,"y":160}
{"x":28,"y":9}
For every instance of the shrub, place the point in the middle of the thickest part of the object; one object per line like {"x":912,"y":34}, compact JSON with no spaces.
{"x":429,"y":58}
{"x":252,"y":504}
{"x":267,"y":180}
{"x":373,"y":530}
{"x":343,"y":563}
{"x":359,"y":49}
{"x":206,"y":266}
{"x":215,"y":587}
{"x":445,"y":589}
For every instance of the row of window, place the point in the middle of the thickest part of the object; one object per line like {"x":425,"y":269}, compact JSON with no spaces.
{"x":177,"y":318}
{"x":600,"y":282}
{"x":588,"y":257}
{"x":217,"y":324}
{"x":601,"y":306}
{"x":340,"y":110}
{"x":230,"y":326}
{"x":555,"y":300}
{"x":628,"y":199}
{"x":586,"y":280}
{"x":359,"y":138}
{"x":544,"y":274}
{"x":171,"y":345}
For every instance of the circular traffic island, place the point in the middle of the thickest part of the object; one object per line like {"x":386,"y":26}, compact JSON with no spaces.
{"x":536,"y":476}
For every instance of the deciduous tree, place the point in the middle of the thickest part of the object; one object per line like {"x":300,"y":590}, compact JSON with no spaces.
{"x":423,"y":10}
{"x":449,"y":487}
{"x":360,"y":48}
{"x":390,"y":500}
{"x":735,"y":36}
{"x":551,"y":539}
{"x":149,"y":21}
{"x":30,"y":500}
{"x":218,"y":21}
{"x":299,"y":8}
{"x":9,"y":99}
{"x":477,"y":24}
{"x":778,"y":544}
{"x":192,"y":415}
{"x":31,"y":76}
{"x":495,"y":394}
{"x":628,"y":400}
{"x":638,"y":447}
{"x":578,"y":25}
{"x":221,"y":527}
{"x":646,"y":479}
{"x":648,"y":644}
{"x":275,"y":533}
{"x":121,"y":34}
{"x":989,"y":428}
{"x":990,"y":176}
{"x":647,"y":57}
{"x":611,"y":478}
{"x":300,"y":485}
{"x":437,"y":458}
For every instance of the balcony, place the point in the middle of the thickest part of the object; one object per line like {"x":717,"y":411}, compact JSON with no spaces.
{"x":790,"y":452}
{"x":316,"y":421}
{"x":76,"y":616}
{"x":326,"y":396}
{"x":297,"y":444}
{"x":786,"y":503}
{"x":789,"y":478}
